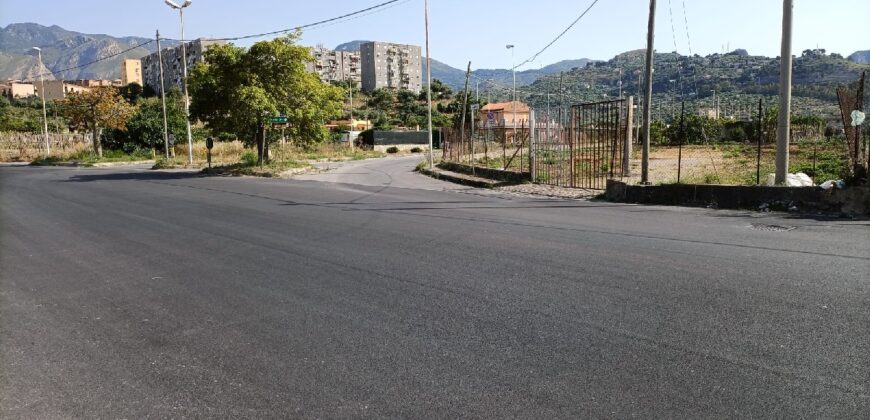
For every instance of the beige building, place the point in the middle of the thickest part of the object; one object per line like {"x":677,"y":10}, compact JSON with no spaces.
{"x":334,"y":66}
{"x":58,"y":89}
{"x":131,"y":72}
{"x":13,"y":89}
{"x":173,"y":74}
{"x":90,"y":83}
{"x":504,"y":114}
{"x":393,"y":66}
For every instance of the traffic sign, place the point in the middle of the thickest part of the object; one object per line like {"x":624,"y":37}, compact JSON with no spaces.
{"x":278,"y":120}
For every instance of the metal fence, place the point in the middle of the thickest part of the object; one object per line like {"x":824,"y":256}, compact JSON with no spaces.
{"x":746,"y":156}
{"x":593,"y":147}
{"x":505,"y":148}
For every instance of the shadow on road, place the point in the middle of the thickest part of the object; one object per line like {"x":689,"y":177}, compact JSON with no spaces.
{"x":135,"y":176}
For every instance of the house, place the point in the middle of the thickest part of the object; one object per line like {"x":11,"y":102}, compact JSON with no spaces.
{"x":13,"y":89}
{"x":504,"y":115}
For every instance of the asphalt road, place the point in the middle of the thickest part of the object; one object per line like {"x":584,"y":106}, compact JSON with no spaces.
{"x":375,"y":292}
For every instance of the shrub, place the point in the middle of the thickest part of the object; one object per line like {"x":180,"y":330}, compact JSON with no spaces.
{"x":392,"y":149}
{"x":416,"y":150}
{"x":248,"y":158}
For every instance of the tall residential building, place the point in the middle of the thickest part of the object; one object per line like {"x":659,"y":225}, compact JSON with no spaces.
{"x":334,"y":66}
{"x":131,"y":72}
{"x":173,"y":74}
{"x":395,"y":66}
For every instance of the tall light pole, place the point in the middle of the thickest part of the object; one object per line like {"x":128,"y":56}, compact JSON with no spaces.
{"x":42,"y":94}
{"x":429,"y":86}
{"x":180,"y":8}
{"x":514,"y":70}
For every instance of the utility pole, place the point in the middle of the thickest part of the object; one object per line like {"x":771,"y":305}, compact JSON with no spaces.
{"x":429,"y":86}
{"x":650,"y":36}
{"x":42,"y":94}
{"x":163,"y":99}
{"x":784,"y":125}
{"x":464,"y":110}
{"x":561,"y":100}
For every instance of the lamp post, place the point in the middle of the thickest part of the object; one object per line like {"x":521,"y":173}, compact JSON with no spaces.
{"x":429,"y":85}
{"x":42,"y":94}
{"x":514,"y":71}
{"x":180,"y":8}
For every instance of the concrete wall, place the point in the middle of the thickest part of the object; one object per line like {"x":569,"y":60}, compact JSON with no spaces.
{"x":851,"y":200}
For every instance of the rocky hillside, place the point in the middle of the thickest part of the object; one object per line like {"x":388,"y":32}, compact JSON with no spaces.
{"x":738,"y":80}
{"x":63,"y":49}
{"x":861,"y":57}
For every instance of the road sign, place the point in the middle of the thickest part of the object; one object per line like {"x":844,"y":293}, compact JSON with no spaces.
{"x":171,"y":138}
{"x":278,"y":120}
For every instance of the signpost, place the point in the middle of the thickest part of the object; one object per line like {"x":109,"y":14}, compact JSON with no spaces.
{"x":209,"y":143}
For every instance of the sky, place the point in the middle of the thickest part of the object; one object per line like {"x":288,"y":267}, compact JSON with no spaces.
{"x":477,"y":31}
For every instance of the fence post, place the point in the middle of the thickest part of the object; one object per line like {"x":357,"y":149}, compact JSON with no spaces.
{"x":626,"y":148}
{"x":532,"y":140}
{"x":680,"y":140}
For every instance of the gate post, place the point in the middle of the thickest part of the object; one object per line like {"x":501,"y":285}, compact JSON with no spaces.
{"x":626,"y":148}
{"x":532,"y":141}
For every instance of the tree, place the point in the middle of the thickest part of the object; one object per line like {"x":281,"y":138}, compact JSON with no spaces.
{"x":382,"y":100}
{"x":236,"y":90}
{"x":97,"y":109}
{"x":145,"y":128}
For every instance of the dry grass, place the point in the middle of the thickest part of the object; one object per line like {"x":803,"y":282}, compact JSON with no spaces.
{"x":26,"y":147}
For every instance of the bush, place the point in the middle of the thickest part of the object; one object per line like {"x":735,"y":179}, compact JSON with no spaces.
{"x":392,"y":149}
{"x":416,"y":150}
{"x":248,"y":158}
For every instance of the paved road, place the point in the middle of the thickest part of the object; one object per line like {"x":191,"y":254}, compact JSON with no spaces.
{"x":373,"y":292}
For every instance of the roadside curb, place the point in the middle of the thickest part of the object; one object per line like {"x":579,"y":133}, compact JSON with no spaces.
{"x":460,"y":178}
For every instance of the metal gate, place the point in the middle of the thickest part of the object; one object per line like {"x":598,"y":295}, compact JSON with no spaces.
{"x":592,"y":148}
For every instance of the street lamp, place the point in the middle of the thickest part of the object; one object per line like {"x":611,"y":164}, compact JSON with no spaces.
{"x":514,"y":70}
{"x":180,"y":8}
{"x":42,"y":94}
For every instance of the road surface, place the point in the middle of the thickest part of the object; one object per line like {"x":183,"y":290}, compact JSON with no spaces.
{"x":372,"y":291}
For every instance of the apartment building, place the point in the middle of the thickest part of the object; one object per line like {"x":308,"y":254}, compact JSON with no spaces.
{"x":173,"y":74}
{"x":394,"y":66}
{"x":131,"y":72}
{"x":13,"y":89}
{"x":334,"y":66}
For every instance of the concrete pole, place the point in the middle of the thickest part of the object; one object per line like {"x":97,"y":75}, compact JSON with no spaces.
{"x":163,"y":99}
{"x":784,"y":125}
{"x":44,"y":113}
{"x":429,"y":87}
{"x":647,"y":111}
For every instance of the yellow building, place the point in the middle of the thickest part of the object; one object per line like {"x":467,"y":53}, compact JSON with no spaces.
{"x":131,"y":72}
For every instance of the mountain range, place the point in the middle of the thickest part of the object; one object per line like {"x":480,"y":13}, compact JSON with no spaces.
{"x":63,"y":49}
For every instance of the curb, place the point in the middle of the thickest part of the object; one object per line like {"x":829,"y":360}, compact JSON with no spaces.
{"x":444,"y":176}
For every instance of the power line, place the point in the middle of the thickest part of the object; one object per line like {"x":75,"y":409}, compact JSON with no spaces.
{"x":357,"y":13}
{"x":51,"y":73}
{"x":532,"y":58}
{"x":309,"y":25}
